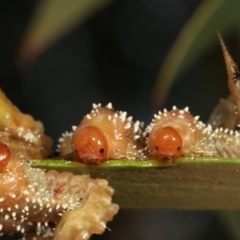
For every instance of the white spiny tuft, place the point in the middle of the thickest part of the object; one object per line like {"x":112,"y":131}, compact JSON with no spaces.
{"x":196,"y":118}
{"x":123,"y":116}
{"x":88,"y":116}
{"x":136,"y":137}
{"x":145,"y":134}
{"x":136,"y":126}
{"x":149,"y":128}
{"x":94,"y":106}
{"x":129,"y":118}
{"x":74,"y":128}
{"x":180,"y":116}
{"x":181,"y":111}
{"x":209,"y":127}
{"x":186,"y":109}
{"x":128,"y":125}
{"x":109,"y":105}
{"x":174,"y":107}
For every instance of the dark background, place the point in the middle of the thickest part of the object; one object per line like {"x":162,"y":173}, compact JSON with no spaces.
{"x":115,"y":57}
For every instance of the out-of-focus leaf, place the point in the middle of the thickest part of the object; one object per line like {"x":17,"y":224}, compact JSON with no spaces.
{"x":53,"y":19}
{"x":192,"y":183}
{"x":231,"y":221}
{"x":197,"y":36}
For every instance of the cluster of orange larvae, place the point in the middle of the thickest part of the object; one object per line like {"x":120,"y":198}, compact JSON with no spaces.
{"x":42,"y":204}
{"x":106,"y":134}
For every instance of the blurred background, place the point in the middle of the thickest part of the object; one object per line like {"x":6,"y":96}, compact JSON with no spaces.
{"x":59,"y":57}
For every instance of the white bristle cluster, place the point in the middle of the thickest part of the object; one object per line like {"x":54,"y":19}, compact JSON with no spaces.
{"x":95,"y":106}
{"x":109,"y":106}
{"x":39,"y":199}
{"x":122,"y":126}
{"x":66,"y":137}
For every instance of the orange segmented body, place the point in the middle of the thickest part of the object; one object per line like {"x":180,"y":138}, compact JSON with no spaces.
{"x":4,"y":156}
{"x":91,"y":145}
{"x":177,"y":133}
{"x":168,"y":144}
{"x":42,"y":204}
{"x":104,"y":134}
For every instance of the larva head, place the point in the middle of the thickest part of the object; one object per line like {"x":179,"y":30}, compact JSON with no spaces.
{"x":4,"y":156}
{"x":91,"y":145}
{"x":168,"y":144}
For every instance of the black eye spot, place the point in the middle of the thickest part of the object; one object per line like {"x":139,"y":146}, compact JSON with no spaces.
{"x":156,"y":147}
{"x":179,"y":148}
{"x":101,"y":150}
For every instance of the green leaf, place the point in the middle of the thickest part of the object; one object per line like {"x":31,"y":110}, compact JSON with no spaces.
{"x":197,"y":36}
{"x":191,"y":183}
{"x":52,"y":20}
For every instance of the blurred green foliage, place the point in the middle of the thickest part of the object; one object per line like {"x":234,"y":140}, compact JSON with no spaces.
{"x":196,"y":37}
{"x":53,"y":19}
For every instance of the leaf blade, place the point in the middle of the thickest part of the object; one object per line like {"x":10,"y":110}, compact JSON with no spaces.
{"x":197,"y":36}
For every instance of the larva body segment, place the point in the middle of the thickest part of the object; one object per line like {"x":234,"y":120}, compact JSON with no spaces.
{"x":65,"y":142}
{"x":225,"y":114}
{"x":188,"y":137}
{"x":107,"y":134}
{"x":21,"y":132}
{"x":30,"y":199}
{"x":34,"y":200}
